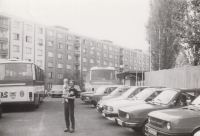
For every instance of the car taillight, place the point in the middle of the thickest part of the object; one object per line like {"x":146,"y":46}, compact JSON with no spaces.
{"x":30,"y":95}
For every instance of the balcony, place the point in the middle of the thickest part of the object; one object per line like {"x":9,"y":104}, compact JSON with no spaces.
{"x":77,"y":63}
{"x":77,"y":43}
{"x":77,"y":52}
{"x":3,"y":52}
{"x":4,"y":26}
{"x":4,"y":39}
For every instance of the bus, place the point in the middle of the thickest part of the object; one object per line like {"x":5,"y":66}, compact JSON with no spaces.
{"x":21,"y":82}
{"x":99,"y":76}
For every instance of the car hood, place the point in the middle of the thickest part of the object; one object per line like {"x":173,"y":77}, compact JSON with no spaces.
{"x":102,"y":102}
{"x":86,"y":93}
{"x":107,"y":97}
{"x":144,"y":108}
{"x":171,"y":114}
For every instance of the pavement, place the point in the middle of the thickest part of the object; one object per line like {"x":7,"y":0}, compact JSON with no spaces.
{"x":48,"y":120}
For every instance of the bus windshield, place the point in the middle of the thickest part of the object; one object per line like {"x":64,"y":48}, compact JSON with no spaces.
{"x":15,"y":71}
{"x":103,"y":75}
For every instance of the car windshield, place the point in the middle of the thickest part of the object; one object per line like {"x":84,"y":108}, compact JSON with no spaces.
{"x":16,"y":71}
{"x":118,"y":91}
{"x":128,"y":92}
{"x":196,"y":101}
{"x":57,"y":87}
{"x":143,"y":94}
{"x":165,"y":97}
{"x":101,"y":90}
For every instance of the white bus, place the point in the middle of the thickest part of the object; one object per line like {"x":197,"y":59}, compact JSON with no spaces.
{"x":21,"y":82}
{"x":101,"y":76}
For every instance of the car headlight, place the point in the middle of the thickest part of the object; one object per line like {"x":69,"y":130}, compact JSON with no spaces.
{"x":127,"y":115}
{"x":110,"y":108}
{"x":168,"y":125}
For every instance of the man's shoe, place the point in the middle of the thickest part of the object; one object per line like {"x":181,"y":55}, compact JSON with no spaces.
{"x":66,"y":130}
{"x":72,"y":131}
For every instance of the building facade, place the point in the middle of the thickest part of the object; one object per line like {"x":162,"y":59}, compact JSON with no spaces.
{"x":62,"y":53}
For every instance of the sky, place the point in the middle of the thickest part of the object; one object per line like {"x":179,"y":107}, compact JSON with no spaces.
{"x":120,"y":21}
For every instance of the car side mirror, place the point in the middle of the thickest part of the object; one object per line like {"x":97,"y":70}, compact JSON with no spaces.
{"x":172,"y":104}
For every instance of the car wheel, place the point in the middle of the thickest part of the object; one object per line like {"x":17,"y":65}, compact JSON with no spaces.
{"x":143,"y":127}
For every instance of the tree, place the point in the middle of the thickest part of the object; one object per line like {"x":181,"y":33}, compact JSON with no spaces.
{"x":192,"y":31}
{"x":164,"y":31}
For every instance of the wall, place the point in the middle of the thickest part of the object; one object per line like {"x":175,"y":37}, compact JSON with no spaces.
{"x":183,"y":77}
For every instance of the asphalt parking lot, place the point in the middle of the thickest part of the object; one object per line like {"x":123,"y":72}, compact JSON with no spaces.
{"x":48,"y":120}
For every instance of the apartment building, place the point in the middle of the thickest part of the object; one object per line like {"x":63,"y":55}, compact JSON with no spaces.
{"x":63,"y":53}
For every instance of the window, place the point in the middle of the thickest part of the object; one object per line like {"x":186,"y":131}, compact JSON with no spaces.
{"x":131,"y":60}
{"x":91,"y":52}
{"x":50,"y":33}
{"x":98,"y":53}
{"x":29,"y":60}
{"x":60,"y":76}
{"x":60,"y":65}
{"x":91,"y":61}
{"x":39,"y":52}
{"x":84,"y":68}
{"x":126,"y":59}
{"x":69,"y":37}
{"x":50,"y":54}
{"x":69,"y":47}
{"x":40,"y":30}
{"x":28,"y":50}
{"x":16,"y":24}
{"x":92,"y":43}
{"x":84,"y":60}
{"x":111,"y":56}
{"x":50,"y":85}
{"x":98,"y":45}
{"x":15,"y":48}
{"x":16,"y":36}
{"x":28,"y":39}
{"x":116,"y":57}
{"x":84,"y":50}
{"x":104,"y":63}
{"x":69,"y":57}
{"x":105,"y":55}
{"x":50,"y":43}
{"x":84,"y":41}
{"x":50,"y":75}
{"x":60,"y":56}
{"x":98,"y":61}
{"x":60,"y":36}
{"x":3,"y":47}
{"x":28,"y":27}
{"x":69,"y":67}
{"x":39,"y":63}
{"x":105,"y":47}
{"x":40,"y":42}
{"x":60,"y":45}
{"x":111,"y":48}
{"x":131,"y":53}
{"x":3,"y":21}
{"x":126,"y":52}
{"x":50,"y":64}
{"x":111,"y":64}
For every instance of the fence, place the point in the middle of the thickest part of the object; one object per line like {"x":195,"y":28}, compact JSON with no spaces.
{"x":183,"y":77}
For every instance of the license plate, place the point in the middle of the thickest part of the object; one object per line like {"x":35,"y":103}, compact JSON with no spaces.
{"x":103,"y":114}
{"x":153,"y":132}
{"x":119,"y":122}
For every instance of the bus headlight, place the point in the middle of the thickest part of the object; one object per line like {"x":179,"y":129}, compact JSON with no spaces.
{"x":168,"y":125}
{"x":21,"y":93}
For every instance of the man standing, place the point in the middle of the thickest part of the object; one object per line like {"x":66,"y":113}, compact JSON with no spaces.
{"x":69,"y":107}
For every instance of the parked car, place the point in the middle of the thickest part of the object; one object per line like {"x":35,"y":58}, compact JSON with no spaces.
{"x":111,"y":108}
{"x":183,"y":121}
{"x":103,"y":91}
{"x":135,"y":117}
{"x":85,"y":96}
{"x":0,"y":109}
{"x":57,"y":90}
{"x":128,"y":94}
